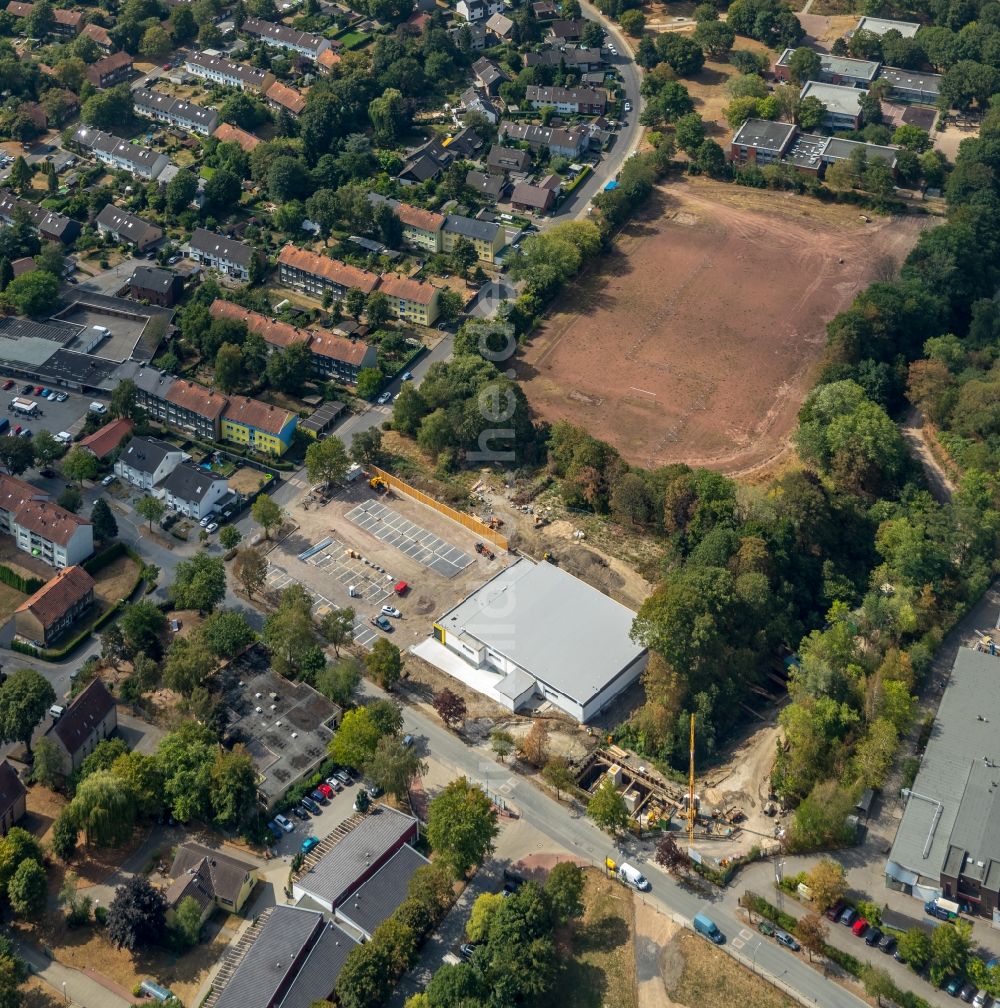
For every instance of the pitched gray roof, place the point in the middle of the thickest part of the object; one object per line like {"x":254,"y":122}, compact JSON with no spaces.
{"x":221,"y":247}
{"x":152,"y":278}
{"x":164,"y":104}
{"x":127,"y":226}
{"x":469,"y":228}
{"x":379,"y":897}
{"x":251,"y":75}
{"x":87,"y":710}
{"x":224,"y":873}
{"x":145,"y":454}
{"x":189,"y":483}
{"x":318,"y":976}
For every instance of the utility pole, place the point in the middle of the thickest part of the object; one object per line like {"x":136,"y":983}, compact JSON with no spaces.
{"x":691,"y":814}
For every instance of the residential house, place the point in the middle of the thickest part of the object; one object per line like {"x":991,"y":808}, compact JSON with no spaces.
{"x":421,"y":228}
{"x":220,"y":70}
{"x":488,"y":75}
{"x":378,"y":897}
{"x":429,"y":161}
{"x":832,"y":69}
{"x":259,"y":426}
{"x":155,"y":286}
{"x":26,"y":264}
{"x":146,"y":462}
{"x":212,"y":878}
{"x":567,"y":101}
{"x":110,"y":70}
{"x":55,"y":607}
{"x":532,"y":198}
{"x":122,"y":226}
{"x":316,"y":274}
{"x":226,"y":255}
{"x":478,"y":10}
{"x":226,"y":133}
{"x":183,"y":114}
{"x":13,"y":798}
{"x":120,"y":154}
{"x":488,"y":185}
{"x":842,"y":104}
{"x":64,"y":22}
{"x":327,"y":60}
{"x":502,"y":160}
{"x":411,"y":300}
{"x":912,"y":86}
{"x":106,"y":439}
{"x":545,"y":10}
{"x":90,"y":718}
{"x":195,"y":409}
{"x":487,"y":237}
{"x":50,"y":225}
{"x":570,"y":143}
{"x":283,"y":98}
{"x":569,"y":30}
{"x":500,"y":27}
{"x":100,"y":36}
{"x":576,"y":59}
{"x":336,"y":356}
{"x":192,"y":491}
{"x":281,"y":36}
{"x":474,"y":100}
{"x":277,"y":335}
{"x":475,"y":31}
{"x":39,"y":527}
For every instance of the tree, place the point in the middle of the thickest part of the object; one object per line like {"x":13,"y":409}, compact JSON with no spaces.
{"x":393,"y":765}
{"x":682,"y":53}
{"x":388,"y":116}
{"x":33,"y":293}
{"x":251,"y":570}
{"x":230,"y":537}
{"x":28,"y":889}
{"x":70,"y":499}
{"x":450,"y":706}
{"x":339,"y":681}
{"x":327,"y":461}
{"x":915,"y":948}
{"x":229,"y":374}
{"x":16,"y":454}
{"x":607,"y":808}
{"x":811,"y":930}
{"x":187,"y":920}
{"x":534,"y":746}
{"x":337,"y":627}
{"x":810,"y":112}
{"x":199,"y":583}
{"x":804,"y":65}
{"x":715,"y":37}
{"x":690,"y":132}
{"x":104,"y":807}
{"x":48,"y":766}
{"x":142,"y":625}
{"x":222,"y":191}
{"x":20,"y":174}
{"x":105,"y":526}
{"x":13,"y":973}
{"x":828,"y":883}
{"x":233,"y":788}
{"x":633,"y":22}
{"x":556,"y":773}
{"x":124,"y":400}
{"x":669,"y":855}
{"x":878,"y":983}
{"x":484,"y":910}
{"x":65,"y":833}
{"x":155,"y":44}
{"x":564,"y":888}
{"x":502,"y":743}
{"x":356,"y":739}
{"x":47,"y":448}
{"x":376,"y":309}
{"x":24,"y":699}
{"x":79,"y":465}
{"x":267,"y":514}
{"x":189,"y":662}
{"x":463,"y":256}
{"x":384,"y":663}
{"x":181,"y":189}
{"x":711,"y":159}
{"x":137,"y":915}
{"x":227,"y":633}
{"x":369,"y":382}
{"x":151,"y":508}
{"x":951,"y":945}
{"x":461,"y":825}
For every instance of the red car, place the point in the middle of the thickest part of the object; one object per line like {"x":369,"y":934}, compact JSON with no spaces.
{"x":8,"y":384}
{"x":18,"y":429}
{"x":325,"y":790}
{"x":859,"y":927}
{"x":38,"y":390}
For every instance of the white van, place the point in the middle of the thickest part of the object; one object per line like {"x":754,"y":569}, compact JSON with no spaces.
{"x":633,"y":877}
{"x":99,"y":408}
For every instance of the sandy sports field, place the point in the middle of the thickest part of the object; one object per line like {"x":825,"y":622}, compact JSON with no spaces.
{"x":696,"y":338}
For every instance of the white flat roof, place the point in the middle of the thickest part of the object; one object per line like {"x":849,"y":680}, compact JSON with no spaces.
{"x":837,"y":98}
{"x":551,"y":624}
{"x":879,"y":26}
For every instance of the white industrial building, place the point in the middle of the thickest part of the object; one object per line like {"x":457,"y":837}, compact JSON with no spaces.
{"x":534,"y":633}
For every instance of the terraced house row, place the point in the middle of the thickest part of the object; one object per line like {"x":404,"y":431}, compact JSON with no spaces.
{"x":208,"y":414}
{"x":316,"y":275}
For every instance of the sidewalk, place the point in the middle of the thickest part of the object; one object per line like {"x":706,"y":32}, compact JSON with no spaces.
{"x":79,"y":988}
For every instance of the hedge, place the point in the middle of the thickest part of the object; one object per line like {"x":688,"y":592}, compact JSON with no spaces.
{"x":28,"y":585}
{"x":107,"y":556}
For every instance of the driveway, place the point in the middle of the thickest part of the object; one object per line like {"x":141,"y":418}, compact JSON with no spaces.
{"x":108,"y":282}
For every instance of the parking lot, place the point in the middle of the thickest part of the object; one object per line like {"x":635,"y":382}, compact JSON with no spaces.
{"x":331,"y":815}
{"x":55,"y":416}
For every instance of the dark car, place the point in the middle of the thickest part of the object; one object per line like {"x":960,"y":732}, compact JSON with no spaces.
{"x":27,"y":389}
{"x":375,"y":791}
{"x":952,"y":986}
{"x":382,"y":623}
{"x":873,"y":936}
{"x":784,"y":938}
{"x":833,"y":913}
{"x":898,"y":955}
{"x":967,"y":993}
{"x":466,"y":950}
{"x":311,"y":805}
{"x":887,"y":944}
{"x":318,"y":797}
{"x":848,"y":916}
{"x":300,"y":813}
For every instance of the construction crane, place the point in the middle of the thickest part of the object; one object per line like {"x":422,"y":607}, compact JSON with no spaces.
{"x":691,"y":813}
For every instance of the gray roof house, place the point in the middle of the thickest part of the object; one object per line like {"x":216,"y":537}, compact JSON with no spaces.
{"x":120,"y":154}
{"x":279,"y":35}
{"x":379,"y":897}
{"x":228,"y":256}
{"x":183,"y":114}
{"x":192,"y":491}
{"x":54,"y":226}
{"x":146,"y":462}
{"x":468,"y":227}
{"x":123,"y":226}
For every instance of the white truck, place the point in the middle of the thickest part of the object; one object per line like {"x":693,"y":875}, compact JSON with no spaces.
{"x":633,"y":877}
{"x":27,"y":407}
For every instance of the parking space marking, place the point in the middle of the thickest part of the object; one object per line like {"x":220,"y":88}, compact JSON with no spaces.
{"x":738,"y":943}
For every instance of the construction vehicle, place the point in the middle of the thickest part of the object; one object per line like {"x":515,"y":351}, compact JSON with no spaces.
{"x":549,"y":558}
{"x":483,"y":551}
{"x":494,"y":522}
{"x":378,"y":484}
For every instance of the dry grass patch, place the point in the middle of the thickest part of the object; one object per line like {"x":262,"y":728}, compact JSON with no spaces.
{"x":10,"y":599}
{"x":711,"y":977}
{"x":116,"y":581}
{"x":602,"y":969}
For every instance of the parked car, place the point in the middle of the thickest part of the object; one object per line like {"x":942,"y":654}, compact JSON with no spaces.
{"x":27,"y":390}
{"x":628,"y":106}
{"x":833,"y":913}
{"x":859,"y":927}
{"x":38,"y":390}
{"x":848,"y":916}
{"x":52,"y":395}
{"x":376,"y":791}
{"x":766,"y":928}
{"x":784,"y":938}
{"x":326,"y":791}
{"x":388,"y":610}
{"x":206,"y":521}
{"x":952,"y":986}
{"x":333,"y":783}
{"x":382,"y":623}
{"x":318,"y":797}
{"x":17,"y":430}
{"x":887,"y":944}
{"x":8,"y":384}
{"x":873,"y":936}
{"x":300,"y":813}
{"x":407,"y":741}
{"x":967,"y":993}
{"x":344,"y":777}
{"x":466,"y":950}
{"x":384,"y":398}
{"x":63,"y":396}
{"x":311,"y":805}
{"x":276,"y":830}
{"x":284,"y":823}
{"x":212,"y":527}
{"x":406,"y":376}
{"x":933,"y":910}
{"x":309,"y":843}
{"x":982,"y":1000}
{"x":108,"y":480}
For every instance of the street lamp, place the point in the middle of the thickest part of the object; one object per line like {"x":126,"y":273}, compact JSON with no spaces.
{"x":65,"y":995}
{"x":755,"y":948}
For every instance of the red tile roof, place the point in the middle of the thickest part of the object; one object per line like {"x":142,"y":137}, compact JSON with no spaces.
{"x":426,"y":220}
{"x":31,"y":508}
{"x":287,"y":97}
{"x":67,"y":17}
{"x":331,"y":269}
{"x":196,"y":398}
{"x":409,"y":290}
{"x":17,"y":9}
{"x":105,"y":440}
{"x":339,"y":348}
{"x":53,"y":600}
{"x":233,"y":134}
{"x":277,"y":334}
{"x":254,"y":413}
{"x":98,"y":34}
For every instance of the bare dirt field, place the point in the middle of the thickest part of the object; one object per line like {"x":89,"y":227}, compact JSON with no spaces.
{"x":695,"y":340}
{"x":824,"y":28}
